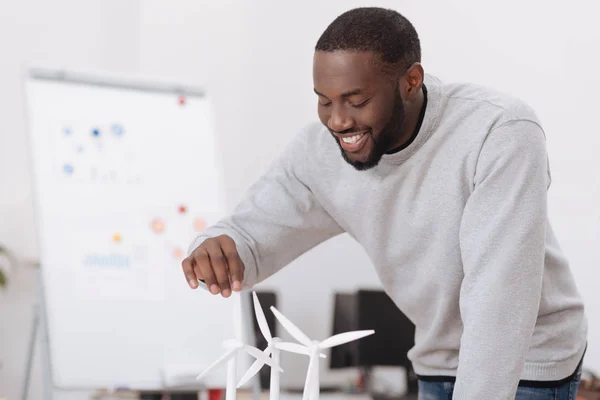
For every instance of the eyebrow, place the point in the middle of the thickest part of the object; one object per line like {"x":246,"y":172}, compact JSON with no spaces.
{"x":349,"y":93}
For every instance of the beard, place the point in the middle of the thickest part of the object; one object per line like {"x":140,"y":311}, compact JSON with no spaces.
{"x":384,"y":140}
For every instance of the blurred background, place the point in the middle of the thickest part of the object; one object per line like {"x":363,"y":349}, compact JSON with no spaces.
{"x":254,"y":61}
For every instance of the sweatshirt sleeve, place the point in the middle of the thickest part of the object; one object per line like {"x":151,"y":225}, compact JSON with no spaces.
{"x":278,"y":219}
{"x":502,"y":240}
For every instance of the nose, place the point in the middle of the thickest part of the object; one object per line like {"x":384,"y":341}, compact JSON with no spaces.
{"x":339,"y":121}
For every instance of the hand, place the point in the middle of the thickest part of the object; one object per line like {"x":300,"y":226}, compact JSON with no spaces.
{"x":216,"y":262}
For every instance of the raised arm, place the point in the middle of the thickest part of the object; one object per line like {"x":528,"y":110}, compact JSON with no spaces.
{"x":278,"y":220}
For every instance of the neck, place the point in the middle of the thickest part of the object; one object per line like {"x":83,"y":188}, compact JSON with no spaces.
{"x":413,"y":111}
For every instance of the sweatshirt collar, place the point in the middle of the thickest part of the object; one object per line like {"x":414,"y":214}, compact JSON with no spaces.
{"x":427,"y":127}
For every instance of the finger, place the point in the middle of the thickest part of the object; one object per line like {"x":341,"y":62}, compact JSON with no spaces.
{"x":203,"y":264}
{"x":219,"y":264}
{"x":198,"y":271}
{"x":188,"y":271}
{"x":236,"y":266}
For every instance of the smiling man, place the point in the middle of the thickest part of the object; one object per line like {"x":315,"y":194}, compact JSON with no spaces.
{"x":362,"y":106}
{"x":445,"y":186}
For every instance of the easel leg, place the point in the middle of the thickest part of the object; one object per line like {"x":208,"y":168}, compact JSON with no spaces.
{"x":48,"y":385}
{"x":39,"y":323}
{"x":30,"y":353}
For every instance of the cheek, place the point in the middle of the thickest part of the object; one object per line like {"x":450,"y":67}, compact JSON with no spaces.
{"x":323,"y":115}
{"x":380,"y":118}
{"x":371,"y":118}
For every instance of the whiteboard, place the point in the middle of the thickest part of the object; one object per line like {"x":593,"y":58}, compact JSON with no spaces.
{"x":125,"y":175}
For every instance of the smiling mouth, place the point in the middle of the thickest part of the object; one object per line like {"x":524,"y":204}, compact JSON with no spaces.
{"x":353,"y":143}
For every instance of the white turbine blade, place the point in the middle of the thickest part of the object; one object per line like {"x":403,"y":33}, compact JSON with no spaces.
{"x":292,"y":348}
{"x":342,"y":338}
{"x":259,"y":355}
{"x":291,"y":328}
{"x":221,"y":360}
{"x":295,"y":348}
{"x":260,"y":317}
{"x":254,"y":368}
{"x":309,"y":378}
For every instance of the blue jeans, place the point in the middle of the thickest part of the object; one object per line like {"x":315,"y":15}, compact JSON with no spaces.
{"x":566,"y":391}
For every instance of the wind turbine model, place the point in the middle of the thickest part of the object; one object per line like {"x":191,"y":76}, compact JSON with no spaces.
{"x":274,"y":345}
{"x":311,"y":385}
{"x":234,"y":346}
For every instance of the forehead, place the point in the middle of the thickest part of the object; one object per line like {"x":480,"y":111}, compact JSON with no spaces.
{"x":336,"y":72}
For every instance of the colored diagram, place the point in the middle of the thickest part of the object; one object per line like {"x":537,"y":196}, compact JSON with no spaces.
{"x":167,"y":231}
{"x":97,"y":153}
{"x":183,"y":223}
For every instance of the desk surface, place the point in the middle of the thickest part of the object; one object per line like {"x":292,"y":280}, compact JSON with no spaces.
{"x":247,"y":395}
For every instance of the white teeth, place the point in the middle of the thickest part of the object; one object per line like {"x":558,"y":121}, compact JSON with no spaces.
{"x":352,"y":139}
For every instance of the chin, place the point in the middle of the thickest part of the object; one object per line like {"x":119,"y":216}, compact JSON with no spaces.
{"x":361,"y":163}
{"x":360,"y":166}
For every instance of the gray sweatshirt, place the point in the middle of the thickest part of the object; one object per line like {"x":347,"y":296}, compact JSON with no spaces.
{"x":457,"y":227}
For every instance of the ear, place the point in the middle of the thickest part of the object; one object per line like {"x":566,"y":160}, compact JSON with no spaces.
{"x":412,"y":81}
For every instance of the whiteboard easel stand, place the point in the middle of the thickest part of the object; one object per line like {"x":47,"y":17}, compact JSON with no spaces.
{"x":40,"y":312}
{"x":39,"y":324}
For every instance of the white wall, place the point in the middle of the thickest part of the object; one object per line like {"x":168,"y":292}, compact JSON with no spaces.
{"x":255,"y":59}
{"x":92,"y":35}
{"x":96,"y":35}
{"x":201,"y":43}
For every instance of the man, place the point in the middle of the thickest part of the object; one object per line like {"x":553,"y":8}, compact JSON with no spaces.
{"x":445,"y":187}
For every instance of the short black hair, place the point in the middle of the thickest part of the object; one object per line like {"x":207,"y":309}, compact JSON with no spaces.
{"x":372,"y":29}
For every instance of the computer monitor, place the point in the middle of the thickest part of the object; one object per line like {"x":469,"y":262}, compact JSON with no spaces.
{"x":393,"y":338}
{"x":345,"y":318}
{"x":394,"y":332}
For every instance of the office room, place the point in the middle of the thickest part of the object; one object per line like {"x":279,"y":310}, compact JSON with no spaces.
{"x":364,"y":199}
